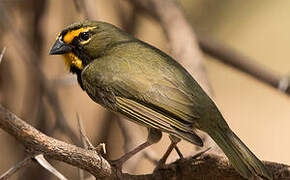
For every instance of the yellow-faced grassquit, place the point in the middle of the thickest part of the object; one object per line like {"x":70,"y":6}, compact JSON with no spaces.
{"x":142,"y":83}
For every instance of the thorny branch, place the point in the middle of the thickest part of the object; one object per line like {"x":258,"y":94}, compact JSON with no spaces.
{"x":244,"y":64}
{"x":45,"y":164}
{"x":131,"y":139}
{"x":281,"y":171}
{"x":86,"y":143}
{"x":215,"y":49}
{"x":38,"y":143}
{"x":84,"y":138}
{"x":27,"y":161}
{"x":205,"y":167}
{"x":16,"y":167}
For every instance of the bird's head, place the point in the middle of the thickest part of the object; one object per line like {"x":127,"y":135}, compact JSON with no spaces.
{"x":81,"y":43}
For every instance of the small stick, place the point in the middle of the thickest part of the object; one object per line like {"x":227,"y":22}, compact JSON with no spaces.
{"x":16,"y":167}
{"x":87,"y":143}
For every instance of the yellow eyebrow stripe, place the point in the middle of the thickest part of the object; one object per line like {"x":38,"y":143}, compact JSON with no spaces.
{"x":74,"y":33}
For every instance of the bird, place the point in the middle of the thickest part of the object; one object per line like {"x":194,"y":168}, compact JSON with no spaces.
{"x":142,"y":83}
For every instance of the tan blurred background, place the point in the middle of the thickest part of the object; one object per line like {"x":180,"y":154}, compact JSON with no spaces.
{"x":258,"y":113}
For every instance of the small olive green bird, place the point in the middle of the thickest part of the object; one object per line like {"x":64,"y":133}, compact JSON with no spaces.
{"x":142,"y":83}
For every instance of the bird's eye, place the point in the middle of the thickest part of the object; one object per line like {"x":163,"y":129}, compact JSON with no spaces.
{"x":84,"y":36}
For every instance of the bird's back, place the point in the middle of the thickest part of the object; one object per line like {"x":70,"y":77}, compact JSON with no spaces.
{"x":141,"y":72}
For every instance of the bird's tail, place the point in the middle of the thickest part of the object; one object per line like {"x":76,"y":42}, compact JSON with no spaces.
{"x":241,"y":158}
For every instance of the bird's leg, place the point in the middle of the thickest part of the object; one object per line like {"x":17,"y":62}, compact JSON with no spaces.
{"x":174,"y":141}
{"x":178,"y":152}
{"x":154,"y":136}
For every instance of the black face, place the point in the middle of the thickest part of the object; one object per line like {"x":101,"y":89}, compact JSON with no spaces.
{"x":81,"y":43}
{"x":87,"y":41}
{"x":78,"y":47}
{"x":74,"y":40}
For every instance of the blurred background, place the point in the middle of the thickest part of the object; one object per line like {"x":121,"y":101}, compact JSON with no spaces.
{"x":38,"y":88}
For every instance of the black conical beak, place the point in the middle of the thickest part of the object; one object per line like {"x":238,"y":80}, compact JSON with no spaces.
{"x":60,"y":47}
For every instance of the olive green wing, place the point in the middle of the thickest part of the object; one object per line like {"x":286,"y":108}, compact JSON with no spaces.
{"x":146,"y":116}
{"x":143,"y":95}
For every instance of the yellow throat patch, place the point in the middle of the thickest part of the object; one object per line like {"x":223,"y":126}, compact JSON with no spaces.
{"x":71,"y":59}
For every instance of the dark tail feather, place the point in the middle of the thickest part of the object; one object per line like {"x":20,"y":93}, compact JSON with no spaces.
{"x":241,"y":158}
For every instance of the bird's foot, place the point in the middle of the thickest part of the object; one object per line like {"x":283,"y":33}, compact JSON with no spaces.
{"x":161,"y":164}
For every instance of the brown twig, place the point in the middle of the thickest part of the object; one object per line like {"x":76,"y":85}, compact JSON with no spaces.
{"x":16,"y":167}
{"x":244,"y":64}
{"x":215,"y":49}
{"x":205,"y":167}
{"x":7,"y":88}
{"x":78,"y":5}
{"x":34,"y":109}
{"x":128,"y":19}
{"x":33,"y":105}
{"x":28,"y":55}
{"x":89,"y":8}
{"x":86,"y":143}
{"x":85,"y":140}
{"x":38,"y":143}
{"x":132,"y":138}
{"x":106,"y":125}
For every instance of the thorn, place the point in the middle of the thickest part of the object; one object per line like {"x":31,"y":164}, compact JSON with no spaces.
{"x":16,"y":167}
{"x":45,"y":164}
{"x":101,"y":149}
{"x":2,"y":54}
{"x":86,"y":142}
